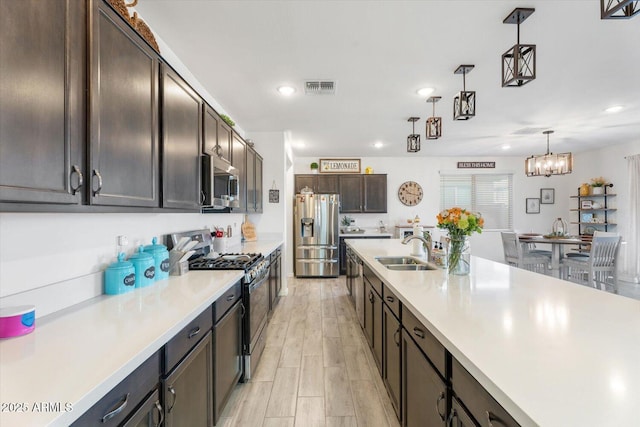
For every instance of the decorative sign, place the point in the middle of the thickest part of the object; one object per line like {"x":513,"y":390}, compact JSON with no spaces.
{"x":274,"y":196}
{"x":339,"y":165}
{"x":476,"y":165}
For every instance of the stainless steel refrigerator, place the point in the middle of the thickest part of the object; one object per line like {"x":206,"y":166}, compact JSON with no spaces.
{"x":316,"y":235}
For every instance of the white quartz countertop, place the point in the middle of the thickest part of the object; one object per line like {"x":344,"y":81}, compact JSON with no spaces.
{"x":77,"y":355}
{"x":551,"y":352}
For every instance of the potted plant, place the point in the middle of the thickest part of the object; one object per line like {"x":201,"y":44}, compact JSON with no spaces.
{"x":314,"y":167}
{"x":597,"y":185}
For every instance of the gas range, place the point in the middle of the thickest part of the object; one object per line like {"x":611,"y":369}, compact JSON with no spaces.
{"x":254,"y":265}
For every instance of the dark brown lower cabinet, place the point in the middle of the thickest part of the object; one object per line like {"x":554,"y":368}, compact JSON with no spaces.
{"x":424,"y":393}
{"x":480,"y":404}
{"x":149,"y":414}
{"x":227,"y":357}
{"x":459,"y":417}
{"x":188,"y":389}
{"x":373,"y":323}
{"x":391,"y":370}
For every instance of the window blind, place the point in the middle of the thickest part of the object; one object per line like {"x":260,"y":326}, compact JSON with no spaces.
{"x":489,"y":194}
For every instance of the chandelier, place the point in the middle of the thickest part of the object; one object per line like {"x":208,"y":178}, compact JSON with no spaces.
{"x":464,"y":103}
{"x":619,"y":9}
{"x":519,"y":62}
{"x":413,"y":140}
{"x":434,"y":124}
{"x":548,"y":164}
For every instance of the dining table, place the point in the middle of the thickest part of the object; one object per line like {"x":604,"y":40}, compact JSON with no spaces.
{"x":557,"y":246}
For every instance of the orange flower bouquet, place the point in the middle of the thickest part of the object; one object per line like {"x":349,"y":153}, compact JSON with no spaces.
{"x":459,"y":223}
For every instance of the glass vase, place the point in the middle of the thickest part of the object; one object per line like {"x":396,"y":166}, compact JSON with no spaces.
{"x":459,"y":256}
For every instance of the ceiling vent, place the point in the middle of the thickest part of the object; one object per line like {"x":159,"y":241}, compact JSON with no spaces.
{"x":319,"y":87}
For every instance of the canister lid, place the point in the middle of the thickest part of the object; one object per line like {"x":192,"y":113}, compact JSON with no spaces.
{"x":121,"y":264}
{"x":155,"y":247}
{"x":141,"y":255}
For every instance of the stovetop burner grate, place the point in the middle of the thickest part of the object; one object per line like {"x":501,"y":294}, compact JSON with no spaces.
{"x":227,"y":261}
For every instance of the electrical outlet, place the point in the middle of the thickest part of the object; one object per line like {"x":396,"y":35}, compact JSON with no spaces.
{"x":123,"y":240}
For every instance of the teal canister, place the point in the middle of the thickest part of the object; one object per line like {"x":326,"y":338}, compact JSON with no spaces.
{"x":145,"y":267}
{"x":119,"y":277}
{"x":160,"y":255}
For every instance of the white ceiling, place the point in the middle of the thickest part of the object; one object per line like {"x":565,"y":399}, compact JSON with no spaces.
{"x":381,"y":52}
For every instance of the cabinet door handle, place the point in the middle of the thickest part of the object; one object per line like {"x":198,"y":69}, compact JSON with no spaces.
{"x":371,"y":297}
{"x":231,"y":297}
{"x":397,"y":334}
{"x":96,"y":173}
{"x":202,"y":196}
{"x":244,"y":310}
{"x":117,"y":410}
{"x":173,"y":393}
{"x":195,"y":331}
{"x":160,"y":414}
{"x":493,"y":418}
{"x":418,"y":332}
{"x":391,"y":299}
{"x":76,"y":170}
{"x":453,"y":414}
{"x":440,"y":399}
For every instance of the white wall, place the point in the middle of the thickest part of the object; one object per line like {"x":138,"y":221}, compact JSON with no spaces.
{"x":425,"y":171}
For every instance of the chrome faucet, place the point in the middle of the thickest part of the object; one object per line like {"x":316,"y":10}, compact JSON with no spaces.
{"x":427,"y":242}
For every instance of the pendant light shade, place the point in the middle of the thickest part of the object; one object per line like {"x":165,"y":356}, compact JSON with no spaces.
{"x":619,"y":9}
{"x":434,"y":124}
{"x":464,"y":103}
{"x":548,"y":164}
{"x":413,"y":140}
{"x":519,"y":62}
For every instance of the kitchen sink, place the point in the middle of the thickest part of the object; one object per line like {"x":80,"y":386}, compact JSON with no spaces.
{"x":392,"y":260}
{"x":410,"y":267}
{"x":403,"y":263}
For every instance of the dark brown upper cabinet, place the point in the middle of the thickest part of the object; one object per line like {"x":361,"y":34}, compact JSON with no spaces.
{"x":124,"y":127}
{"x":42,"y":107}
{"x":217,"y":134}
{"x":181,"y":142}
{"x":239,"y":161}
{"x":254,"y":181}
{"x":374,"y":189}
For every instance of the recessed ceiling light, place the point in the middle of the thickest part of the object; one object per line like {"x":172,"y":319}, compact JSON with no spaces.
{"x":286,"y":90}
{"x":425,"y":91}
{"x":614,"y":109}
{"x":378,"y":144}
{"x":506,"y":147}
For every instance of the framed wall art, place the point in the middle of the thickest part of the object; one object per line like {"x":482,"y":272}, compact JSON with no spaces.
{"x":533,"y":206}
{"x":547,"y":196}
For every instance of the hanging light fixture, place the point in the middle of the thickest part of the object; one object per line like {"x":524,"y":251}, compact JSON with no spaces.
{"x":548,"y":164}
{"x":619,"y":9}
{"x":413,"y":140}
{"x":519,"y":62}
{"x":464,"y":103}
{"x":434,"y":124}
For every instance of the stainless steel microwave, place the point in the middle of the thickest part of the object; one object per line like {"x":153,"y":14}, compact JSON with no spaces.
{"x":220,"y":183}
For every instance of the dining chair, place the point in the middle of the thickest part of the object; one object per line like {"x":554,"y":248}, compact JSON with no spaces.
{"x":519,"y":256}
{"x":599,"y":268}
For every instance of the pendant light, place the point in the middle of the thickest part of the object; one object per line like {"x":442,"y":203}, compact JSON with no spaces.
{"x":519,"y":62}
{"x":548,"y":164}
{"x":619,"y":9}
{"x":413,"y":140}
{"x":434,"y":124}
{"x":464,"y":103}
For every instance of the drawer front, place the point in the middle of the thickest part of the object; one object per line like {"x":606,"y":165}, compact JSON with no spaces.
{"x":425,"y":340}
{"x":376,"y":283}
{"x":116,"y":405}
{"x":226,"y":301}
{"x":184,"y":340}
{"x":484,"y":408}
{"x":391,"y":300}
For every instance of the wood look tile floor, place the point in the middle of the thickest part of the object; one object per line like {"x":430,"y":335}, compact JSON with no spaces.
{"x":316,"y":369}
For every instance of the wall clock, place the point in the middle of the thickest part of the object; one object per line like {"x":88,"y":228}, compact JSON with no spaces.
{"x":410,"y":193}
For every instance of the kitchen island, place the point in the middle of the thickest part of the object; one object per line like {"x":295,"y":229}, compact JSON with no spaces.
{"x":74,"y":357}
{"x":550,"y":352}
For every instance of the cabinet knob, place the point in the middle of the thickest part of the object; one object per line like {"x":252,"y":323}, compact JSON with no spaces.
{"x":391,"y":299}
{"x":418,"y":332}
{"x":195,"y":331}
{"x":231,"y":297}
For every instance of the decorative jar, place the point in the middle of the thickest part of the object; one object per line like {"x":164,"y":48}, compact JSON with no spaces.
{"x":585,"y":189}
{"x":597,"y":190}
{"x":459,"y":256}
